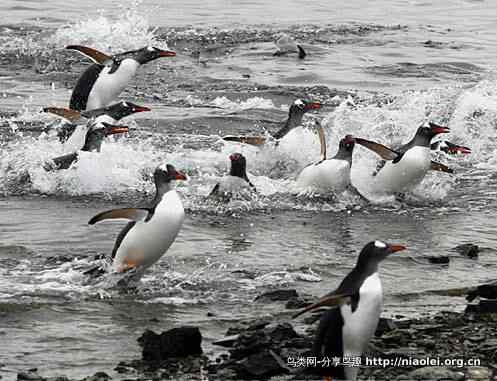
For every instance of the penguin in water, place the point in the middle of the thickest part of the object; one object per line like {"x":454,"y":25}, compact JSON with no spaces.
{"x":287,"y":45}
{"x":295,"y":115}
{"x":345,"y":331}
{"x":95,"y":135}
{"x":153,"y":229}
{"x":235,"y":183}
{"x":406,"y":167}
{"x":329,"y":175}
{"x":103,"y":81}
{"x":449,"y":148}
{"x":109,"y":114}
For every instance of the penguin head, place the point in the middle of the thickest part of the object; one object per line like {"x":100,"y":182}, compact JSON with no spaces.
{"x":238,"y":165}
{"x":97,"y":132}
{"x":122,"y":109}
{"x":346,"y":148}
{"x":299,"y":107}
{"x":150,"y":53}
{"x":376,"y":251}
{"x":424,"y":134}
{"x":166,"y":175}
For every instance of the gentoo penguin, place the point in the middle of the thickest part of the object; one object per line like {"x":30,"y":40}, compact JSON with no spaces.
{"x":152,"y":229}
{"x":109,"y":114}
{"x":103,"y":81}
{"x":93,"y":142}
{"x":295,"y":115}
{"x":344,"y":332}
{"x":406,"y":167}
{"x":286,"y":45}
{"x":236,"y":182}
{"x":449,"y":148}
{"x":329,"y":175}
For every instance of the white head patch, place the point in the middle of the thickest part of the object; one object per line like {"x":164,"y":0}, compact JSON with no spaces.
{"x":298,"y":102}
{"x":125,"y":104}
{"x":380,"y":245}
{"x":150,"y":48}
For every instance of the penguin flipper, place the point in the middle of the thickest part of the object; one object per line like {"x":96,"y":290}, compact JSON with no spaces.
{"x":383,"y":151}
{"x":251,"y":140}
{"x":61,"y":162}
{"x":331,"y":300}
{"x":71,"y":115}
{"x":95,"y":55}
{"x":435,"y":166}
{"x":134,"y":214}
{"x":322,"y":141}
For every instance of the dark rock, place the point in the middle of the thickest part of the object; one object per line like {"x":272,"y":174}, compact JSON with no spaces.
{"x":487,"y":291}
{"x":439,"y":260}
{"x":227,"y":342}
{"x":277,"y":295}
{"x":177,"y":342}
{"x":264,"y":364}
{"x":296,"y":303}
{"x":123,"y":368}
{"x":484,"y":307}
{"x":29,"y":376}
{"x":385,"y":325}
{"x":251,"y":325}
{"x":99,"y":376}
{"x":280,"y":332}
{"x":468,"y":250}
{"x":432,"y":373}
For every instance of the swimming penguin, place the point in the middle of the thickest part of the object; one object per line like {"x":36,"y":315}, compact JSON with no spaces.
{"x":406,"y":167}
{"x":152,"y":230}
{"x":449,"y":148}
{"x":344,"y":332}
{"x":109,"y":114}
{"x":93,"y":141}
{"x":236,"y":182}
{"x":103,"y":81}
{"x":286,"y":45}
{"x":329,"y":175}
{"x":295,"y":115}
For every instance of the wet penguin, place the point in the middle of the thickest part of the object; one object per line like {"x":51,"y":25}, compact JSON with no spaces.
{"x":406,"y":167}
{"x":236,"y":182}
{"x":295,"y":115}
{"x":109,"y":114}
{"x":287,"y":45}
{"x":103,"y":81}
{"x":95,"y":135}
{"x":449,"y":148}
{"x":329,"y":175}
{"x":345,"y":331}
{"x":152,"y":230}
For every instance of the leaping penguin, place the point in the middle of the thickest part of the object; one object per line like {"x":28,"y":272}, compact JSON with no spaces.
{"x":109,"y":114}
{"x":406,"y":167}
{"x":286,"y":45}
{"x":152,"y":229}
{"x":344,"y":332}
{"x":103,"y":81}
{"x":329,"y":174}
{"x":295,"y":115}
{"x":236,"y":182}
{"x":93,"y":142}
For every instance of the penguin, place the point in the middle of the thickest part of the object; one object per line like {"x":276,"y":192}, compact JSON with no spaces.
{"x":109,"y":114}
{"x":449,"y":148}
{"x":103,"y":81}
{"x":236,"y":182}
{"x":406,"y":167}
{"x":295,"y":115}
{"x":286,"y":45}
{"x":93,"y":142}
{"x":329,"y":174}
{"x":153,"y":229}
{"x":346,"y":330}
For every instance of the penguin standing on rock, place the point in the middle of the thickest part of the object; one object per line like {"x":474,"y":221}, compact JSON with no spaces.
{"x":345,"y":331}
{"x":236,"y":182}
{"x":153,"y":229}
{"x":295,"y":115}
{"x":103,"y":81}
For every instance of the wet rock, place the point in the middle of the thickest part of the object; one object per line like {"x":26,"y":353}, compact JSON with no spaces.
{"x":468,"y":250}
{"x":296,"y":303}
{"x":478,"y":373}
{"x":29,"y":376}
{"x":439,"y":260}
{"x":250,"y":325}
{"x":177,"y":342}
{"x":264,"y":364}
{"x":99,"y":376}
{"x":486,"y":291}
{"x":277,"y":295}
{"x":385,"y":325}
{"x":433,"y":373}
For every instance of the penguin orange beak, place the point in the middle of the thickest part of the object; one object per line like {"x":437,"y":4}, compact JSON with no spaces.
{"x":459,"y":149}
{"x":395,"y":248}
{"x":180,"y":176}
{"x":167,"y":53}
{"x":115,"y":129}
{"x":436,"y":129}
{"x":312,"y":106}
{"x":141,"y":109}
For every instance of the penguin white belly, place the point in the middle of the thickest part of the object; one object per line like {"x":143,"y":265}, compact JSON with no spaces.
{"x":405,"y":174}
{"x":77,"y":139}
{"x":329,"y":175}
{"x":146,"y":242}
{"x":107,"y":87}
{"x":359,"y":326}
{"x":233,"y":185}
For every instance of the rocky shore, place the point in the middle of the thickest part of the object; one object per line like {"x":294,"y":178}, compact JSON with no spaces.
{"x":261,"y":349}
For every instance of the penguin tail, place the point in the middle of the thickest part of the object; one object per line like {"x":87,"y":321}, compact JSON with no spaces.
{"x":302,"y":52}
